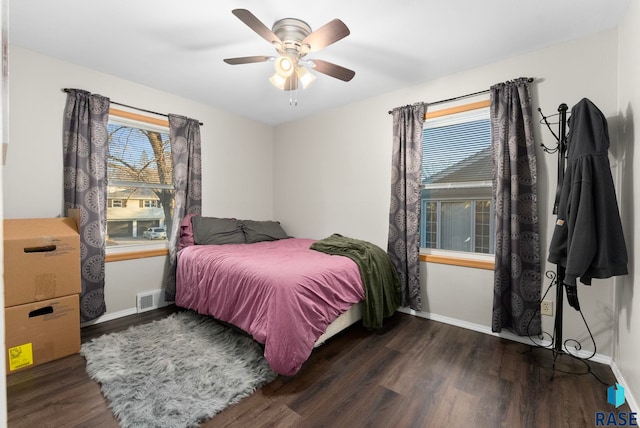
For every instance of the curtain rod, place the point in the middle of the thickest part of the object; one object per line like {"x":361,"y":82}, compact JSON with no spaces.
{"x":135,"y":108}
{"x":459,"y":97}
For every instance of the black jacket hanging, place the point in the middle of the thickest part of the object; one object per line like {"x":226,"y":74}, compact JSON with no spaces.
{"x":588,"y":240}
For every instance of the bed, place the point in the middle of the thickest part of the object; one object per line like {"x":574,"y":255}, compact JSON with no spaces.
{"x":286,"y":295}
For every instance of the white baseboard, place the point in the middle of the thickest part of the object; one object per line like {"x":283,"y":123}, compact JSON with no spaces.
{"x":631,"y":401}
{"x":110,"y":317}
{"x":155,"y":300}
{"x":598,"y":358}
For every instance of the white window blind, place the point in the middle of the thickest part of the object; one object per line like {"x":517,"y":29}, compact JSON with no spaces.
{"x":140,"y":192}
{"x":456,"y":150}
{"x":456,"y":212}
{"x":132,"y":160}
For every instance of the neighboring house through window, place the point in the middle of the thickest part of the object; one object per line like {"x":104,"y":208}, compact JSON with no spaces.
{"x":456,"y":210}
{"x":140,"y":178}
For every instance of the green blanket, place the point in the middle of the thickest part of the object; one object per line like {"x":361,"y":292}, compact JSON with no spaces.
{"x":382,"y":294}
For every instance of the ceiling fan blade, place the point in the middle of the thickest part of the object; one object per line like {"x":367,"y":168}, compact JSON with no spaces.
{"x":247,"y":59}
{"x":256,"y":25}
{"x":329,"y":33}
{"x":333,"y":70}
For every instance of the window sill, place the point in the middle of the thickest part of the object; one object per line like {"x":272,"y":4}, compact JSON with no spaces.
{"x":133,"y":252}
{"x":117,"y":257}
{"x":458,"y":261}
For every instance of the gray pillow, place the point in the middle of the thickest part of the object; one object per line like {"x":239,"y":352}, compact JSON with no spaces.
{"x":216,"y":231}
{"x":257,"y":231}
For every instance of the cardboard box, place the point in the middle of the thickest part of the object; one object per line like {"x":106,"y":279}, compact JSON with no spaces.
{"x":41,"y":259}
{"x":39,"y":332}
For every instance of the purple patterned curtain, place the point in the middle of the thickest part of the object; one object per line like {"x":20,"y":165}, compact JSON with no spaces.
{"x":517,"y":278}
{"x":85,"y":142}
{"x":184,"y":134}
{"x":404,"y":213}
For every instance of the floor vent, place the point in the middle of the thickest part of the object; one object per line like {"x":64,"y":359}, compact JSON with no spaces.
{"x":149,"y":300}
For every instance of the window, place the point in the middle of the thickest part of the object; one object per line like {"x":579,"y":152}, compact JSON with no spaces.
{"x":149,"y":203}
{"x":140,"y":180}
{"x":456,"y":210}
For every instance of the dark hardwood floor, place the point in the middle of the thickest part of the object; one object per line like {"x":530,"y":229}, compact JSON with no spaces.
{"x":414,"y":373}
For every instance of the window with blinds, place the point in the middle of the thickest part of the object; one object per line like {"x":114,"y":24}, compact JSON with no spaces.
{"x":456,"y":211}
{"x":140,"y":192}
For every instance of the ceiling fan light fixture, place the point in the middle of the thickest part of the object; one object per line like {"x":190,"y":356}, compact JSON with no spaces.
{"x":284,"y":66}
{"x":278,"y":81}
{"x":305,"y":77}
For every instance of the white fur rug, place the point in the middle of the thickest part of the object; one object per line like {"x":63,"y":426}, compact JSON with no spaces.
{"x":175,"y":372}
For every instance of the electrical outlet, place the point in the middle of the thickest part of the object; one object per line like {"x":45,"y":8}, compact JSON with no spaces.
{"x":546,"y":307}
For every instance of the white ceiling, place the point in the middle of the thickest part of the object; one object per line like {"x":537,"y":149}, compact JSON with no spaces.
{"x":178,"y":46}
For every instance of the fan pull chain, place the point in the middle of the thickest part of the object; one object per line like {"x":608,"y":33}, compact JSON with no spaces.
{"x":293,"y":97}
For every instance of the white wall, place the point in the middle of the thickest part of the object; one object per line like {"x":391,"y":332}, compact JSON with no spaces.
{"x":627,"y":332}
{"x":236,"y":181}
{"x":332,"y":173}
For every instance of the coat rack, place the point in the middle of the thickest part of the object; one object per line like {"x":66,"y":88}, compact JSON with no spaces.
{"x":558,"y":345}
{"x":562,"y":150}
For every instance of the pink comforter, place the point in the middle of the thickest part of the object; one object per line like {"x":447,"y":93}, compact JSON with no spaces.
{"x":281,"y":292}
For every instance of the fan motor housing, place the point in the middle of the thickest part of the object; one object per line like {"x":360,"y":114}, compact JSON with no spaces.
{"x":292,"y":32}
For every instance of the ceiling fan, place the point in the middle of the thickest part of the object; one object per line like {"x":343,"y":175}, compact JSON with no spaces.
{"x":293,"y":39}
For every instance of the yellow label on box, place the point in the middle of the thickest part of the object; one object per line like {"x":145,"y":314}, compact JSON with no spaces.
{"x":20,"y":356}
